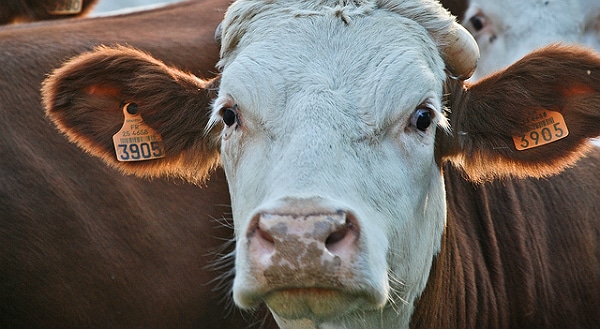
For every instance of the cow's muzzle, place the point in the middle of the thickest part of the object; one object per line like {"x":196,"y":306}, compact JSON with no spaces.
{"x":304,"y":256}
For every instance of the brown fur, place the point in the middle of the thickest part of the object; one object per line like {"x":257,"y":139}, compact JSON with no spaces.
{"x":536,"y":264}
{"x":22,"y":11}
{"x":81,"y":245}
{"x":456,"y":7}
{"x":486,"y":115}
{"x":516,"y":252}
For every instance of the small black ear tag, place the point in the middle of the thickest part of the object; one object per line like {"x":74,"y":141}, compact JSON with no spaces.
{"x":137,"y":141}
{"x":66,"y":7}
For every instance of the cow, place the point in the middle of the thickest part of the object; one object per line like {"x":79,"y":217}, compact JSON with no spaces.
{"x":22,"y":11}
{"x":370,"y":185}
{"x":83,"y":246}
{"x":506,"y":31}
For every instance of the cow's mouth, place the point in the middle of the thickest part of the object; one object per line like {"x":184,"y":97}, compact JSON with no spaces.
{"x":313,"y":303}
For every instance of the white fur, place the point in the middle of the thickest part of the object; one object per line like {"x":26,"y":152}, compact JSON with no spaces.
{"x":514,"y":28}
{"x":325,"y":95}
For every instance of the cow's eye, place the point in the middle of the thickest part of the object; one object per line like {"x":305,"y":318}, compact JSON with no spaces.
{"x":422,"y":118}
{"x":478,"y":22}
{"x":229,"y":116}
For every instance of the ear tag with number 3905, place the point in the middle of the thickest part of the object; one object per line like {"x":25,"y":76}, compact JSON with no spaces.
{"x":544,"y":127}
{"x":137,"y":141}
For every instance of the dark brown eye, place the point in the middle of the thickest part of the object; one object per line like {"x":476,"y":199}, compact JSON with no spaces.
{"x":422,"y":118}
{"x":229,"y":116}
{"x":477,"y":22}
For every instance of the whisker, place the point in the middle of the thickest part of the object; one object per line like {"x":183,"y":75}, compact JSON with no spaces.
{"x":224,"y":222}
{"x":397,"y":287}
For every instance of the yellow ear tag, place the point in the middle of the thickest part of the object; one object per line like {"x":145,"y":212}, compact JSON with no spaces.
{"x":545,"y":127}
{"x":137,"y":141}
{"x":66,"y":7}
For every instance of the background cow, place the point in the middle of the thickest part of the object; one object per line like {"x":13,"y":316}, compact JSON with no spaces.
{"x":376,"y":241}
{"x":80,"y":244}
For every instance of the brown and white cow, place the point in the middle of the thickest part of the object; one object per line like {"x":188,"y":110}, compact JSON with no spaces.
{"x":22,"y":11}
{"x":354,"y":161}
{"x":80,"y":244}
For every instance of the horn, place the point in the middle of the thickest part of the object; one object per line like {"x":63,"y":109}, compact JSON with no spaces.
{"x":218,"y":32}
{"x":460,"y":52}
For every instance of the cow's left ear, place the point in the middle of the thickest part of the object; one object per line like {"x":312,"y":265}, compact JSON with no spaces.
{"x":533,"y":119}
{"x":135,"y":113}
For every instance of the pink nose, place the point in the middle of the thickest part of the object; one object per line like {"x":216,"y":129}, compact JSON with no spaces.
{"x":294,"y":246}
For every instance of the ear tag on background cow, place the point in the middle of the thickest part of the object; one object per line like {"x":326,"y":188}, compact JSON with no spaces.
{"x":66,"y":7}
{"x":137,"y":141}
{"x":545,"y":127}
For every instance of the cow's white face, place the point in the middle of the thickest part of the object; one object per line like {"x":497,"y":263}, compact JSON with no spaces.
{"x":328,"y":146}
{"x":508,"y":30}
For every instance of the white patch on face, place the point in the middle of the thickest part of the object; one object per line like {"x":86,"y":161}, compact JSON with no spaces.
{"x":334,"y":110}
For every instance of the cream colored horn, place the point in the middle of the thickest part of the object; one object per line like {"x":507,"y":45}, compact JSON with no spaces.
{"x":460,"y":52}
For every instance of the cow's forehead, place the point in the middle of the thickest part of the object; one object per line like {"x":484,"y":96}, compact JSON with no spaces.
{"x":379,"y":60}
{"x":246,"y":19}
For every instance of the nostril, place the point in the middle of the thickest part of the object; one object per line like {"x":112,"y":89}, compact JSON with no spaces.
{"x":264,"y":235}
{"x":337,"y":239}
{"x":336,"y":236}
{"x":259,"y":235}
{"x":262,"y":243}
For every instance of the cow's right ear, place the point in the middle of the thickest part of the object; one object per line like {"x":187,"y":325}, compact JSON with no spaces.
{"x":86,"y":98}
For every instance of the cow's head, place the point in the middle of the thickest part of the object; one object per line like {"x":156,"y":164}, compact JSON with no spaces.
{"x":331,"y":125}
